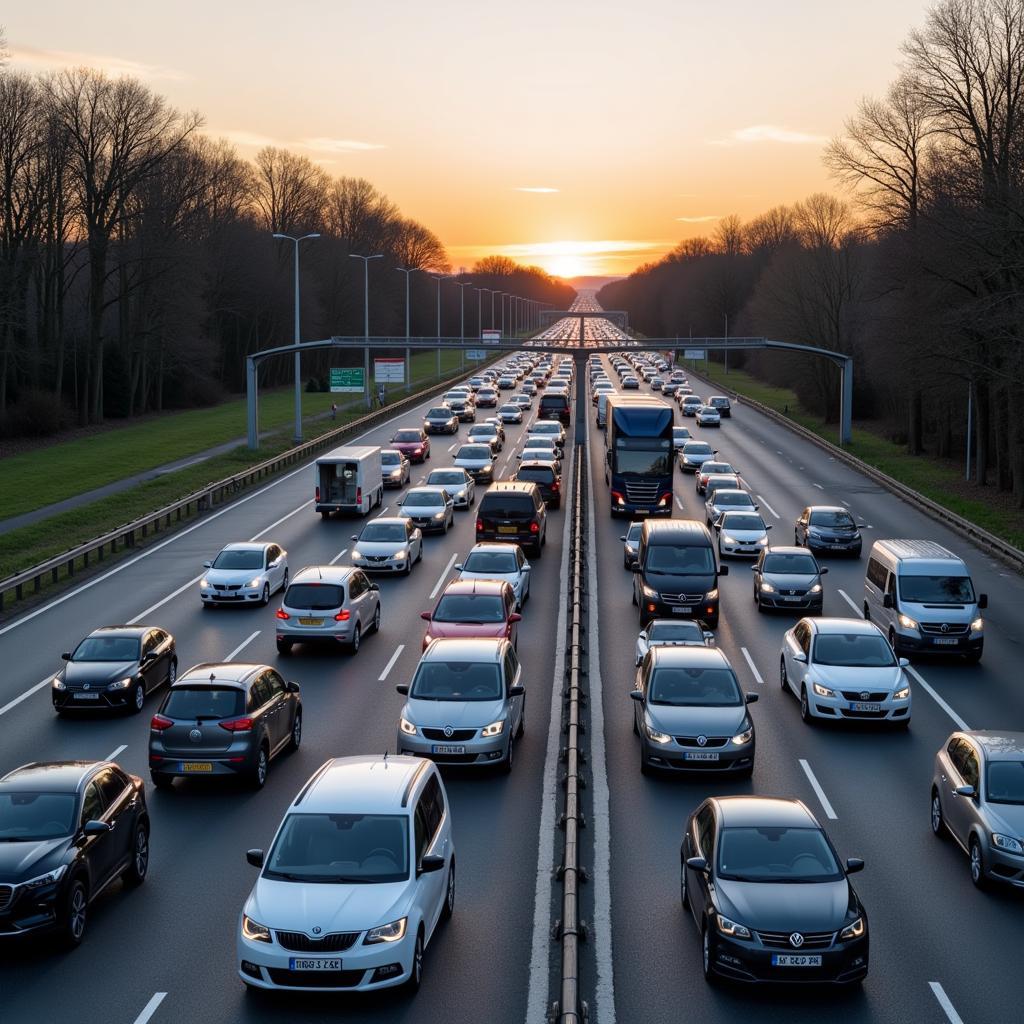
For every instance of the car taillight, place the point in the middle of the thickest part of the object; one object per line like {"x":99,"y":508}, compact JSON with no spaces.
{"x":158,"y":723}
{"x":282,"y":614}
{"x":318,"y":494}
{"x":359,"y":495}
{"x":479,"y":525}
{"x":342,"y":616}
{"x":556,"y":486}
{"x":534,"y":528}
{"x":237,"y":724}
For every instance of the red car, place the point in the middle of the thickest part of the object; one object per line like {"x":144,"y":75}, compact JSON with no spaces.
{"x":413,"y":443}
{"x":474,"y":609}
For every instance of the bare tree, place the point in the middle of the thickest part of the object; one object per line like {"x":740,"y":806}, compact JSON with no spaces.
{"x":770,"y":232}
{"x":728,"y":237}
{"x":416,"y":246}
{"x":290,"y":191}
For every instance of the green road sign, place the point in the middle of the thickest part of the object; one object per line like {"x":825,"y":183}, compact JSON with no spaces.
{"x":347,"y":378}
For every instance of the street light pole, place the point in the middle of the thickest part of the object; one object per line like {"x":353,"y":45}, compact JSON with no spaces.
{"x":463,"y":285}
{"x":408,"y":367}
{"x":726,"y":342}
{"x":298,"y":359}
{"x":366,"y":317}
{"x":438,"y":278}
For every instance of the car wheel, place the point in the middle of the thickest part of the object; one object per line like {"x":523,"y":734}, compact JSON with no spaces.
{"x":412,"y":984}
{"x":284,"y":580}
{"x":449,"y":893}
{"x":408,"y":567}
{"x":376,"y":619}
{"x":356,"y":638}
{"x":258,"y":775}
{"x":284,"y":647}
{"x":172,"y":672}
{"x":645,"y":768}
{"x":161,"y":781}
{"x":296,"y":736}
{"x":419,"y":552}
{"x":522,"y":722}
{"x":135,"y":873}
{"x":705,"y":944}
{"x":867,"y":612}
{"x":893,"y":641}
{"x":634,"y":598}
{"x":977,"y":864}
{"x":509,"y":762}
{"x":472,"y":500}
{"x":684,"y":897}
{"x":938,"y":823}
{"x":75,"y":915}
{"x":138,"y":698}
{"x":805,"y":707}
{"x":265,"y":599}
{"x":757,"y":602}
{"x":972,"y":658}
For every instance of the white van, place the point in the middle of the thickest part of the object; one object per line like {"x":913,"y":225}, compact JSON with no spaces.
{"x":349,"y":480}
{"x":923,"y":599}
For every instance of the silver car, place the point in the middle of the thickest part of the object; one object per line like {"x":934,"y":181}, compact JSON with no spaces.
{"x":728,"y":499}
{"x":539,"y":448}
{"x":672,"y":633}
{"x":429,"y":508}
{"x":394,"y":467}
{"x":694,"y":454}
{"x":457,"y":482}
{"x":466,"y":704}
{"x":707,"y":416}
{"x":978,"y":798}
{"x":741,"y":533}
{"x":549,"y":428}
{"x":788,"y":577}
{"x":511,"y":413}
{"x":244,"y":573}
{"x":331,"y":604}
{"x":477,"y":460}
{"x":488,"y":432}
{"x":388,"y":544}
{"x":496,"y":561}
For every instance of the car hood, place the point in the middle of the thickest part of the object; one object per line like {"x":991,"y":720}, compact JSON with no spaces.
{"x":747,"y":536}
{"x":791,"y":580}
{"x":887,"y":679}
{"x":22,"y":861}
{"x":466,"y":629}
{"x":300,"y":907}
{"x":671,"y":583}
{"x":777,"y":907}
{"x":389,"y":547}
{"x":460,"y":714}
{"x":697,"y":721}
{"x":1005,"y":818}
{"x":232,"y":576}
{"x":98,"y":671}
{"x":418,"y":512}
{"x":466,"y":463}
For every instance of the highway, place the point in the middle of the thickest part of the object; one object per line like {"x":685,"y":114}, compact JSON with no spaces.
{"x":938,"y":947}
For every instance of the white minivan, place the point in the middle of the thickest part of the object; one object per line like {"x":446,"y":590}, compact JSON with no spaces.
{"x":922,"y":597}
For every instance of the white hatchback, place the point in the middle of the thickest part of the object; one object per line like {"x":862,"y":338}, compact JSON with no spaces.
{"x":244,"y":573}
{"x":359,"y":874}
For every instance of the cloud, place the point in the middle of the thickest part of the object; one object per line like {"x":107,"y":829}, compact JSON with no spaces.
{"x":241,"y":137}
{"x":255,"y":140}
{"x":702,"y":219}
{"x":57,"y":60}
{"x":322,"y":144}
{"x":535,"y":188}
{"x":768,"y":133}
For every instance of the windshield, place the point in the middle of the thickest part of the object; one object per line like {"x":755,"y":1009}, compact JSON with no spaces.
{"x":506,"y":506}
{"x":443,"y":414}
{"x":475,"y":609}
{"x":341,"y":848}
{"x":213,"y":702}
{"x":740,"y":521}
{"x":937,"y":589}
{"x":317,"y":597}
{"x":381,"y":533}
{"x":107,"y":648}
{"x":446,"y":476}
{"x":491,"y":561}
{"x":717,"y":483}
{"x":798,"y":565}
{"x":406,"y":436}
{"x":694,"y":688}
{"x":717,"y":467}
{"x":681,"y":561}
{"x":831,"y":518}
{"x":474,"y":451}
{"x":775,"y":854}
{"x":457,"y":680}
{"x":853,"y":650}
{"x":239,"y":559}
{"x":662,"y":630}
{"x":634,"y":531}
{"x":509,"y":408}
{"x":680,"y":432}
{"x":390,"y":458}
{"x":35,"y":816}
{"x":1006,"y":782}
{"x":734,"y":499}
{"x":654,"y":463}
{"x":697,"y":448}
{"x":547,"y":428}
{"x":421,"y":499}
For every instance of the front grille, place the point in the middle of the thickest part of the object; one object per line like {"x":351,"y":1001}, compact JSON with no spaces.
{"x":315,"y":979}
{"x":812,"y":940}
{"x":793,"y":593}
{"x":6,"y":895}
{"x":376,"y":558}
{"x":860,"y":695}
{"x":712,"y":741}
{"x":457,"y":734}
{"x":641,"y":493}
{"x":224,"y":586}
{"x":682,"y":598}
{"x":335,"y":942}
{"x":945,"y":629}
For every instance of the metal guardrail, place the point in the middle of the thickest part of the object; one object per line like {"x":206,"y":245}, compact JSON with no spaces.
{"x":220,"y":492}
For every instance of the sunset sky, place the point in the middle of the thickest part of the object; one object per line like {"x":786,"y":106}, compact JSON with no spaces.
{"x":584,"y":137}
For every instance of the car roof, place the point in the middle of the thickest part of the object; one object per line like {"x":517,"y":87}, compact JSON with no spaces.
{"x":763,"y":811}
{"x":505,"y":486}
{"x":246,"y":545}
{"x":674,"y":530}
{"x":725,"y":493}
{"x":472,"y":586}
{"x":999,"y":746}
{"x":834,"y":624}
{"x":133,"y":631}
{"x":826,"y":508}
{"x":923,"y":549}
{"x":336,"y":574}
{"x":42,"y":776}
{"x":388,"y":521}
{"x":538,"y":463}
{"x":784,"y":549}
{"x":465,"y":649}
{"x":363,"y":784}
{"x":492,"y":545}
{"x":215,"y":673}
{"x":688,"y":657}
{"x":425,"y":489}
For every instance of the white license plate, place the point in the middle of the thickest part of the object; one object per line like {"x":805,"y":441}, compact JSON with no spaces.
{"x":681,"y":611}
{"x":837,"y":547}
{"x":950,"y":640}
{"x":861,"y":706}
{"x":447,"y":748}
{"x":701,"y":755}
{"x":318,"y":964}
{"x":792,"y":598}
{"x":87,"y":696}
{"x":795,"y":960}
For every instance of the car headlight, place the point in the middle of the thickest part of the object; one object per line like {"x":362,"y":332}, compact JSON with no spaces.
{"x":1007,"y":843}
{"x":711,"y":595}
{"x":396,"y":472}
{"x":902,"y":694}
{"x":977,"y":625}
{"x":204,"y":584}
{"x":853,"y":931}
{"x":731,"y":928}
{"x":406,"y":726}
{"x":654,"y":736}
{"x":816,"y":589}
{"x":439,"y":515}
{"x":255,"y":582}
{"x":254,"y":931}
{"x":767,"y":588}
{"x":400,"y":556}
{"x":822,"y":691}
{"x":743,"y":738}
{"x":121,"y":684}
{"x":494,"y":729}
{"x":58,"y":683}
{"x":650,"y":593}
{"x":907,"y":622}
{"x":356,"y":553}
{"x":393,"y":932}
{"x":763,"y":541}
{"x":41,"y":881}
{"x":730,"y":540}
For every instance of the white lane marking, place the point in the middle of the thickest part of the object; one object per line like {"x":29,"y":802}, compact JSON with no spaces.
{"x":150,"y":1008}
{"x":816,"y":786}
{"x":753,"y":667}
{"x":241,"y":647}
{"x":927,"y":687}
{"x":537,"y":992}
{"x":849,"y":600}
{"x":453,"y":447}
{"x":947,"y":1007}
{"x":382,"y":511}
{"x":391,"y":663}
{"x":778,"y":451}
{"x":444,"y":576}
{"x":278,"y":522}
{"x":761,"y":499}
{"x":116,"y":751}
{"x":163,"y":600}
{"x":846,"y":503}
{"x":28,"y":693}
{"x":679,"y":504}
{"x":341,"y":554}
{"x":820,"y":488}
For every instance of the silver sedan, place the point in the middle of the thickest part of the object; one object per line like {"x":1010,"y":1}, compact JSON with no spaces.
{"x":458,"y":483}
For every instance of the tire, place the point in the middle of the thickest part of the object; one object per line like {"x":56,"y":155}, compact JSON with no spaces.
{"x":324,"y":515}
{"x":684,"y":897}
{"x":972,"y":658}
{"x":783,"y":677}
{"x":161,"y":781}
{"x":284,"y":581}
{"x":408,"y":567}
{"x":705,"y":944}
{"x":172,"y":672}
{"x":645,"y":768}
{"x":258,"y":773}
{"x":74,"y":915}
{"x":419,"y":552}
{"x":449,"y":894}
{"x":892,"y":642}
{"x":138,"y":699}
{"x":295,"y":739}
{"x":376,"y":620}
{"x":635,"y":605}
{"x":415,"y":979}
{"x":977,"y":864}
{"x":805,"y":707}
{"x":135,"y":874}
{"x":937,"y":820}
{"x":522,"y":722}
{"x":356,"y":638}
{"x":509,"y":762}
{"x":757,"y":603}
{"x":867,"y":612}
{"x":284,"y":647}
{"x":265,"y":599}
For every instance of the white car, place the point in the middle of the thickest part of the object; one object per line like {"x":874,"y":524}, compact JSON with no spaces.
{"x":524,"y":402}
{"x":555,"y":437}
{"x":672,"y":633}
{"x":727,"y":499}
{"x":511,"y":413}
{"x":844,"y":669}
{"x":244,"y":573}
{"x":476,"y":459}
{"x":492,"y":561}
{"x":388,"y":544}
{"x":545,"y":446}
{"x":457,"y":482}
{"x":707,"y":416}
{"x":359,"y":874}
{"x":741,"y":533}
{"x":488,"y":432}
{"x":691,"y":404}
{"x":429,"y":508}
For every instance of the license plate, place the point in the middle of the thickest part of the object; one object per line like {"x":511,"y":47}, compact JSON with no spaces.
{"x":319,"y":964}
{"x":87,"y":696}
{"x":792,"y":599}
{"x":701,"y":755}
{"x":861,"y":706}
{"x":950,"y":640}
{"x":837,"y":547}
{"x":196,"y":766}
{"x":681,"y":611}
{"x":311,"y":622}
{"x":447,"y":748}
{"x":507,"y":529}
{"x":795,"y":960}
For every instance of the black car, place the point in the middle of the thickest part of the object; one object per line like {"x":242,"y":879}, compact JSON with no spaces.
{"x":115,"y":667}
{"x":631,"y":543}
{"x":464,"y":408}
{"x":67,"y":830}
{"x":828,"y":528}
{"x":547,"y":476}
{"x":769,"y":894}
{"x":514,"y":511}
{"x":226,"y":719}
{"x":441,"y":420}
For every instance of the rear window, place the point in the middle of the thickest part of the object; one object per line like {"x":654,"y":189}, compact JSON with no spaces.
{"x":539,"y":474}
{"x":554,"y":402}
{"x":195,"y":703}
{"x":507,"y":506}
{"x":315,"y":596}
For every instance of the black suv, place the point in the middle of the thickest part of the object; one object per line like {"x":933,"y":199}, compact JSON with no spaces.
{"x":514,"y":511}
{"x":67,"y":830}
{"x":224,"y":720}
{"x":555,"y":407}
{"x":546,"y":476}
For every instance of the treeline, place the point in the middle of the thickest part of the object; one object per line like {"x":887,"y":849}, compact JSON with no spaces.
{"x":137,"y":266}
{"x":920,"y":278}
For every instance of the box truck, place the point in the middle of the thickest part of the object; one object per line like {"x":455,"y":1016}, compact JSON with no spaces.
{"x":349,"y":480}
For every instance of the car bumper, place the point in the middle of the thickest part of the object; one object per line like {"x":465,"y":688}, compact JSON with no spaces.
{"x":390,"y":564}
{"x":430,"y":525}
{"x":475,"y":752}
{"x":30,"y":913}
{"x":1003,"y":866}
{"x":847,"y":547}
{"x":247,"y":595}
{"x":481,"y":476}
{"x":335,"y":632}
{"x":749,"y":550}
{"x":842,"y":708}
{"x":99,"y":699}
{"x":267,"y":966}
{"x":175,"y":765}
{"x":749,"y":960}
{"x":928,"y":644}
{"x":658,"y":609}
{"x":805,"y":603}
{"x":672,"y":756}
{"x":394,"y":481}
{"x":524,"y":538}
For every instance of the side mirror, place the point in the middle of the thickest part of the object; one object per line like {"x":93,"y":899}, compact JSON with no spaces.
{"x":800,"y":657}
{"x":753,"y":568}
{"x":374,"y":586}
{"x":967,"y":791}
{"x":96,"y":828}
{"x":254,"y":857}
{"x":752,"y":698}
{"x":515,"y":617}
{"x":769,"y":528}
{"x":66,"y":656}
{"x":904,"y":662}
{"x":887,"y":600}
{"x":709,"y":638}
{"x":698,"y":864}
{"x":431,"y":863}
{"x":637,"y":695}
{"x":723,"y":570}
{"x":403,"y":689}
{"x":983,"y":601}
{"x":516,"y":691}
{"x":207,"y":565}
{"x":623,"y":538}
{"x":757,"y":508}
{"x":425,"y":616}
{"x":147,"y":657}
{"x":293,"y":687}
{"x":355,"y":536}
{"x":634,"y":565}
{"x":274,"y":564}
{"x":853,"y":865}
{"x":822,"y":570}
{"x":642,"y":635}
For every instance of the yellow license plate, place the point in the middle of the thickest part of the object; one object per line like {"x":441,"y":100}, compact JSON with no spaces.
{"x":507,"y":529}
{"x":196,"y":766}
{"x":311,"y":622}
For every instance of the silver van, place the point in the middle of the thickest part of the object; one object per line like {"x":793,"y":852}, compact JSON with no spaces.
{"x":923,"y":599}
